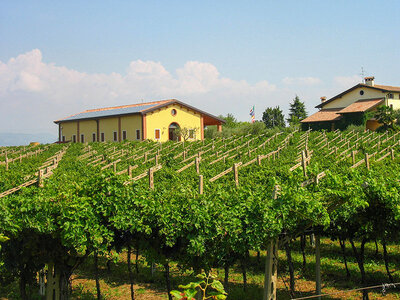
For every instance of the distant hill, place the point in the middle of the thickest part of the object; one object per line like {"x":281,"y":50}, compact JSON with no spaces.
{"x":18,"y":139}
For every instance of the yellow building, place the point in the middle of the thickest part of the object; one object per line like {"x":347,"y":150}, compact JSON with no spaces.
{"x":158,"y":121}
{"x":351,"y":103}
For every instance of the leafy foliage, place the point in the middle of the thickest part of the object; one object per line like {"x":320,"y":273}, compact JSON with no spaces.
{"x":297,"y":111}
{"x":273,"y":117}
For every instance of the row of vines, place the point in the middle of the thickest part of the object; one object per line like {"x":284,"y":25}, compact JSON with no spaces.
{"x":202,"y":204}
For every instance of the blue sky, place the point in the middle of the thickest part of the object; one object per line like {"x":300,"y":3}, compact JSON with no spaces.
{"x":223,"y":56}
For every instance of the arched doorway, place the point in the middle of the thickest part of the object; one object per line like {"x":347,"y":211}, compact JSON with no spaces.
{"x":172,"y":132}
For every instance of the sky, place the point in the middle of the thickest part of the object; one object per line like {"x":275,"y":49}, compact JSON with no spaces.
{"x":58,"y":58}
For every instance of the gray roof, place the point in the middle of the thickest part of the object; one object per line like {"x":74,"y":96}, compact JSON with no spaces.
{"x":109,"y":112}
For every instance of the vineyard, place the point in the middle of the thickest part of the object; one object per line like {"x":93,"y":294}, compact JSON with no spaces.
{"x":199,"y":206}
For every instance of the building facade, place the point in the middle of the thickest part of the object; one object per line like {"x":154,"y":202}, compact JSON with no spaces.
{"x":159,"y":121}
{"x":352,"y":104}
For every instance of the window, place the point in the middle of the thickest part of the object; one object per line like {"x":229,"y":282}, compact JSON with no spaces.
{"x":157,"y":134}
{"x":115,"y":136}
{"x":137,"y":134}
{"x":93,"y":137}
{"x":82,"y":138}
{"x":173,"y":112}
{"x":74,"y":138}
{"x":102,"y":137}
{"x":63,"y":138}
{"x":390,"y":96}
{"x":361,"y":93}
{"x":124,"y":135}
{"x":191,"y":134}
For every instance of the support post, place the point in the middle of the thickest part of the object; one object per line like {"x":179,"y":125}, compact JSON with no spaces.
{"x":367,"y":160}
{"x":317,"y":265}
{"x":392,"y":153}
{"x":201,"y":184}
{"x":198,"y":165}
{"x":115,"y":167}
{"x":304,"y":163}
{"x":236,"y":174}
{"x":151,"y":178}
{"x":259,"y":160}
{"x":42,"y":283}
{"x":271,"y":271}
{"x":271,"y":264}
{"x":353,"y":156}
{"x":130,"y":171}
{"x":40,"y":178}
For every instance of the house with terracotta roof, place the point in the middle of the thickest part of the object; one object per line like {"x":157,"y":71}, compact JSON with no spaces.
{"x":352,"y":106}
{"x":158,"y":121}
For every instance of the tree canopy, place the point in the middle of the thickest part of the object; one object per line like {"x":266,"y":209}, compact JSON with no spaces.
{"x":297,"y":111}
{"x":273,"y":117}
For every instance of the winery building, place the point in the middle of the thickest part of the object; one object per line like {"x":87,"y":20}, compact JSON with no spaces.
{"x":351,"y":106}
{"x":159,"y":121}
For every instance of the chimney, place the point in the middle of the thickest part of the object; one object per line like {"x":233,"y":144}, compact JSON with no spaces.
{"x":369,"y":80}
{"x":323,"y":99}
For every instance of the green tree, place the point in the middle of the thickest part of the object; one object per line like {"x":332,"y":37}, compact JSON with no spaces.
{"x":273,"y":117}
{"x":297,"y":111}
{"x":230,"y":120}
{"x":385,"y":115}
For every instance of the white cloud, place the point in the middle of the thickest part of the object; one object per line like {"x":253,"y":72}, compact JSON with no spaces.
{"x":347,"y":81}
{"x":301,"y":80}
{"x":34,"y":93}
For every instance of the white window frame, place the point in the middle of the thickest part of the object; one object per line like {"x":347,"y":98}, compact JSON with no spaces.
{"x":115,"y":136}
{"x":157,"y":139}
{"x":140,"y":135}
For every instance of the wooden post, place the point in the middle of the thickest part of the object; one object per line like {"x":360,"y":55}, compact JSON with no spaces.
{"x":40,"y":178}
{"x":201,"y":184}
{"x":130,"y":171}
{"x":53,"y":280}
{"x":115,"y":166}
{"x":145,"y":157}
{"x":271,"y":271}
{"x":42,"y":284}
{"x":317,"y":265}
{"x":271,"y":264}
{"x":353,"y":156}
{"x":235,"y":174}
{"x":259,"y":160}
{"x":303,"y":163}
{"x":151,"y":179}
{"x":392,"y":153}
{"x":197,"y":165}
{"x":6,"y":162}
{"x":367,"y":160}
{"x":156,"y":159}
{"x":184,"y":154}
